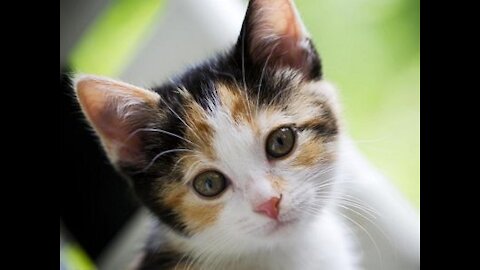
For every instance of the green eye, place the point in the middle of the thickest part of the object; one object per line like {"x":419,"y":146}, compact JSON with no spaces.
{"x":280,"y":142}
{"x":210,"y":183}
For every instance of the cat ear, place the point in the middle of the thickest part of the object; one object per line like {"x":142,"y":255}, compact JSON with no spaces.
{"x":274,"y":35}
{"x":116,"y":110}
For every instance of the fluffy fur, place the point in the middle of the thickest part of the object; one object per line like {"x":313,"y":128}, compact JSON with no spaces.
{"x":218,"y":115}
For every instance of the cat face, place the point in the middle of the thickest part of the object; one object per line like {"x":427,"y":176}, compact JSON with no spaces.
{"x":241,"y":147}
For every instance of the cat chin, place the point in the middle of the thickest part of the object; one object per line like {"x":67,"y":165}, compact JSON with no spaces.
{"x":232,"y":243}
{"x":280,"y":232}
{"x":277,"y":233}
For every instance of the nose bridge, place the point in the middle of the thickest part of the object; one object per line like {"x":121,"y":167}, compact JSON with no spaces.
{"x":237,"y":149}
{"x":260,"y":188}
{"x":264,"y":196}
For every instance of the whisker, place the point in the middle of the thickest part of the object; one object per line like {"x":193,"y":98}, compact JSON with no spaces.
{"x":164,"y":153}
{"x":274,"y":99}
{"x":367,"y":233}
{"x":193,"y":167}
{"x":263,"y":73}
{"x":243,"y":61}
{"x":178,"y":162}
{"x":160,"y":131}
{"x":181,"y":120}
{"x":357,"y":205}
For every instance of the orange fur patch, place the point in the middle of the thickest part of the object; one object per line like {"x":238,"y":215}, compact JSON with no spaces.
{"x":201,"y":132}
{"x":237,"y":104}
{"x":278,"y":184}
{"x":173,"y":194}
{"x":309,"y":153}
{"x":199,"y":216}
{"x":312,"y":123}
{"x":196,"y":215}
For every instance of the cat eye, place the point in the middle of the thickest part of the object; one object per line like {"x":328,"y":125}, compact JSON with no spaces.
{"x":210,"y":183}
{"x":280,"y":142}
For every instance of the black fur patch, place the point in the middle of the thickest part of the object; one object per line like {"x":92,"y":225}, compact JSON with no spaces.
{"x":162,"y":260}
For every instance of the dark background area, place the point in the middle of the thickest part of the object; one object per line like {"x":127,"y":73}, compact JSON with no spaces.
{"x":95,"y":201}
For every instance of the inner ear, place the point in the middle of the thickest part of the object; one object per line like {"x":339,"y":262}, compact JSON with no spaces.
{"x":116,"y":110}
{"x":273,"y":35}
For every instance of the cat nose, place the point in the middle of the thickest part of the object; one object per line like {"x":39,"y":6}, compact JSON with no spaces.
{"x":269,"y":208}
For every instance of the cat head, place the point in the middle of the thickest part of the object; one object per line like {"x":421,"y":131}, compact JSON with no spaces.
{"x":240,"y":148}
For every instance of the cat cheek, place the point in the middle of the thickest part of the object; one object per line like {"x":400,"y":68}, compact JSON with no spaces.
{"x":308,"y":154}
{"x":198,"y":217}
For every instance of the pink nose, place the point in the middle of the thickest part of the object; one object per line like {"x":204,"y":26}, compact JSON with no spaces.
{"x":269,"y":208}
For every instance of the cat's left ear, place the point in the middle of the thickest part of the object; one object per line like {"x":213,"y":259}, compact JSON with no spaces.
{"x":116,"y":110}
{"x":274,"y":35}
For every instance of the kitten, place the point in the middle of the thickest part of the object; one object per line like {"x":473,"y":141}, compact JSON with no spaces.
{"x":238,"y":156}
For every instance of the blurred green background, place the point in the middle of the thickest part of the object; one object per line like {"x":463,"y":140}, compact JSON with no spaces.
{"x":370,"y":50}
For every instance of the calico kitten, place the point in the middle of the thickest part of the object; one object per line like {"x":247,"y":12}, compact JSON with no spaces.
{"x":237,"y":157}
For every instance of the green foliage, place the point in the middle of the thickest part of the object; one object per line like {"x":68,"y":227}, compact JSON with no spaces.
{"x":112,"y":40}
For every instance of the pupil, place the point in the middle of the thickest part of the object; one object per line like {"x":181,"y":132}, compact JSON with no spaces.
{"x":209,"y":183}
{"x":280,"y":141}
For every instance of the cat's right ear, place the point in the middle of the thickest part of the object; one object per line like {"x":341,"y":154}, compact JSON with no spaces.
{"x":116,"y":110}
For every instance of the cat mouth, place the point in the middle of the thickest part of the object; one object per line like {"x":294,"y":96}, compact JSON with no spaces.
{"x":281,"y":225}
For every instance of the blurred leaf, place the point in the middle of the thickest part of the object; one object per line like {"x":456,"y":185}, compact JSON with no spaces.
{"x":113,"y":38}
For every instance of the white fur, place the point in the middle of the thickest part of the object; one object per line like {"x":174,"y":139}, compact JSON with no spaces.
{"x":321,"y":244}
{"x":243,"y":239}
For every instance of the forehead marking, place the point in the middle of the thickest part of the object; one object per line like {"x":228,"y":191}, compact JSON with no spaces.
{"x":235,"y":102}
{"x":199,"y":130}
